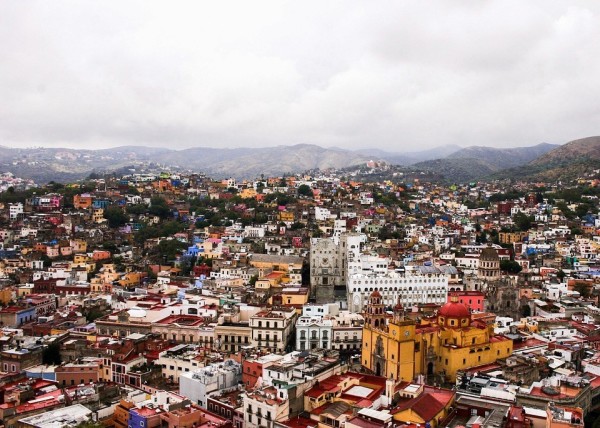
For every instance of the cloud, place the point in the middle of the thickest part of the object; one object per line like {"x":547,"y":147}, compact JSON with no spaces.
{"x":394,"y":75}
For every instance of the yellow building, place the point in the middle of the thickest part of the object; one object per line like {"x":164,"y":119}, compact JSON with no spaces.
{"x":98,"y":215}
{"x":7,"y":294}
{"x":510,"y":237}
{"x":455,"y":342}
{"x":291,"y":296}
{"x":248,"y":193}
{"x":437,"y":348}
{"x":388,"y":348}
{"x":131,"y":279}
{"x":286,"y":216}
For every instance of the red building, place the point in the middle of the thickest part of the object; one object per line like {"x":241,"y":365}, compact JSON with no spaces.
{"x":504,"y":207}
{"x":474,"y":300}
{"x":251,"y":371}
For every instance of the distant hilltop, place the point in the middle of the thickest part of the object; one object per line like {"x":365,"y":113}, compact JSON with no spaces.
{"x":453,"y":162}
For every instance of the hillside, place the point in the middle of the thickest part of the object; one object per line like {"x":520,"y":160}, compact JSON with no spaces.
{"x":251,"y":163}
{"x":459,"y":170}
{"x":566,"y":162}
{"x":44,"y":164}
{"x":584,"y":148}
{"x":541,"y":162}
{"x":503,"y":158}
{"x":412,"y":157}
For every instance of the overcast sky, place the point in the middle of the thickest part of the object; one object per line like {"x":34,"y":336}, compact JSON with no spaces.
{"x":397,"y":75}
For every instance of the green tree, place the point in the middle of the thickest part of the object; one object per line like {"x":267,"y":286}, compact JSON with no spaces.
{"x":583,"y":289}
{"x":562,"y":206}
{"x":93,"y":314}
{"x":115,"y":216}
{"x":297,"y":226}
{"x":159,"y":207}
{"x":170,"y":248}
{"x":522,"y":221}
{"x":137,"y":209}
{"x":305,"y":190}
{"x":51,"y":354}
{"x":510,"y":266}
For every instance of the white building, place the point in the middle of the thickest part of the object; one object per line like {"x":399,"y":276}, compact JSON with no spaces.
{"x":15,"y":210}
{"x":272,"y":329}
{"x":58,"y":418}
{"x":423,"y":285}
{"x":347,"y":332}
{"x":325,"y":326}
{"x":313,"y":332}
{"x":322,"y":214}
{"x":178,"y":360}
{"x":264,"y":406}
{"x":199,"y":384}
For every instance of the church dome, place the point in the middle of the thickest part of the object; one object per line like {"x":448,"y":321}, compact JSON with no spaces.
{"x":454,"y":310}
{"x":489,"y":254}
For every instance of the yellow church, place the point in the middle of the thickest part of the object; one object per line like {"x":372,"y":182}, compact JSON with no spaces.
{"x":401,"y":349}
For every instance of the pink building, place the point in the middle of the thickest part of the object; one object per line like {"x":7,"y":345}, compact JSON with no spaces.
{"x":474,"y":300}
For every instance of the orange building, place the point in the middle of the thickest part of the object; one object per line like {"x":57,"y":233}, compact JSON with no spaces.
{"x":100,"y":255}
{"x":83,"y":201}
{"x":77,"y":374}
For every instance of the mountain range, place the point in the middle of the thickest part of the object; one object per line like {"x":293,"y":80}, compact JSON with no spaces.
{"x":450,"y":162}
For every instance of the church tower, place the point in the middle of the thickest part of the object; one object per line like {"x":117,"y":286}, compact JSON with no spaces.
{"x":388,"y":341}
{"x":375,"y":312}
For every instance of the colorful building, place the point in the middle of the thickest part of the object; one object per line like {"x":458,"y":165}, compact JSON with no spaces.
{"x":399,"y":348}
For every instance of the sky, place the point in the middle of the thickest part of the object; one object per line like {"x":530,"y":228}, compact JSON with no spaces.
{"x":394,"y":75}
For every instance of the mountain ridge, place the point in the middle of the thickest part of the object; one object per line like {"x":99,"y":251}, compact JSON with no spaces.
{"x":455,"y":164}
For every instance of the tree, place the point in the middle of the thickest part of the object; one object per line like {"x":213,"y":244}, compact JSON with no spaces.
{"x":583,"y":289}
{"x":137,"y":209}
{"x":169,"y":248}
{"x":93,"y":314}
{"x":305,"y":190}
{"x":159,"y":207}
{"x":510,"y":266}
{"x":522,"y":221}
{"x":562,"y":206}
{"x":51,"y":354}
{"x":115,"y":216}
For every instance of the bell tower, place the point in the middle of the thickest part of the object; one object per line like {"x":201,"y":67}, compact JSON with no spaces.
{"x":375,"y":311}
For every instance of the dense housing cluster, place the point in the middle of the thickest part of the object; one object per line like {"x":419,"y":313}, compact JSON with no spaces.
{"x":176,"y":300}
